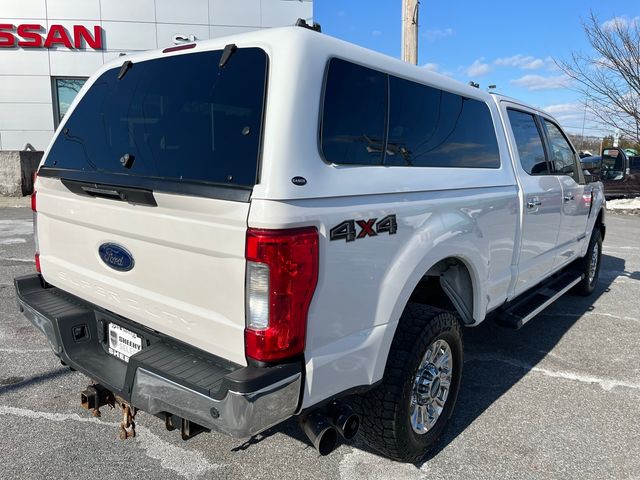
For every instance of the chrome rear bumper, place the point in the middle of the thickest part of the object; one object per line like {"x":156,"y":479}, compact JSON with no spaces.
{"x":239,"y":401}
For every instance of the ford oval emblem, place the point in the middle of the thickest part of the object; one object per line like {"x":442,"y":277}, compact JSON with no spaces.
{"x":116,"y":257}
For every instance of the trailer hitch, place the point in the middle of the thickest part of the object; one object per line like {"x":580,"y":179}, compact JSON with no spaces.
{"x":96,"y":396}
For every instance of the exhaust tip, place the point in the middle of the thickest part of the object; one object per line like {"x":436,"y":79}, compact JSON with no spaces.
{"x":323,"y":436}
{"x":344,"y":420}
{"x":350,"y":427}
{"x":327,"y":441}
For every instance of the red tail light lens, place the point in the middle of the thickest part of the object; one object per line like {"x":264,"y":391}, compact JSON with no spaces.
{"x":282,"y":273}
{"x":34,"y":208}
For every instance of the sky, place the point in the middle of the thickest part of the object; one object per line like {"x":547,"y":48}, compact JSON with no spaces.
{"x":511,"y":44}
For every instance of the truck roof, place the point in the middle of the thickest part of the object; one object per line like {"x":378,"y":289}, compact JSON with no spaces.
{"x":298,"y":41}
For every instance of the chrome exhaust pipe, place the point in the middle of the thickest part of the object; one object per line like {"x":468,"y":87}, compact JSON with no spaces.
{"x":343,"y":418}
{"x":320,"y":432}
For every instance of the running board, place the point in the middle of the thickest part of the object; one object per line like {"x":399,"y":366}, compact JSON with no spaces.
{"x":519,"y":311}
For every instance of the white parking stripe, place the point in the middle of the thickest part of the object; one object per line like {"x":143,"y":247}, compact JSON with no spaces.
{"x":13,"y":228}
{"x":186,"y":463}
{"x":607,"y":384}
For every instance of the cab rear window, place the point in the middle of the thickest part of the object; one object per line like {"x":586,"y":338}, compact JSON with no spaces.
{"x":179,"y":117}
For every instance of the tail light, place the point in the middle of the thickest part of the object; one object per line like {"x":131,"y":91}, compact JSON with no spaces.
{"x":282,"y":273}
{"x":34,"y":208}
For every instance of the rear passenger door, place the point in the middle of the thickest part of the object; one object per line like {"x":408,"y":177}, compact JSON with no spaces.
{"x":541,"y":198}
{"x":576,"y":202}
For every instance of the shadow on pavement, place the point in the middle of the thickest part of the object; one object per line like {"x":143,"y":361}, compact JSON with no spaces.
{"x":485,"y":380}
{"x":20,"y":382}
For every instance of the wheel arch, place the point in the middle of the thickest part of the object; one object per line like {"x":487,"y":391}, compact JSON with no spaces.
{"x":463,"y":272}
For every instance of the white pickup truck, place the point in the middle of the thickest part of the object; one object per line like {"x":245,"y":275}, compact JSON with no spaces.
{"x":280,"y":223}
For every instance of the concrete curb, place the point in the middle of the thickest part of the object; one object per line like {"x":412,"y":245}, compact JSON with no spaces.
{"x":16,"y":172}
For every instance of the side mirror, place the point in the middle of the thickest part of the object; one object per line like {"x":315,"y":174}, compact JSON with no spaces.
{"x":590,"y":177}
{"x":592,"y":169}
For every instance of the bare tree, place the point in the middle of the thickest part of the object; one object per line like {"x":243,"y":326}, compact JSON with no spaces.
{"x":609,"y":78}
{"x":70,"y":84}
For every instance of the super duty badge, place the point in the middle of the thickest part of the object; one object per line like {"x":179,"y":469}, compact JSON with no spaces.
{"x":347,"y":230}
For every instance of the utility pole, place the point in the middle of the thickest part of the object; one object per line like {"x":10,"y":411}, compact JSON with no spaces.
{"x":410,"y":31}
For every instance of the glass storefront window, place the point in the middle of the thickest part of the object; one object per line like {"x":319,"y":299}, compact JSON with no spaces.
{"x":66,"y":90}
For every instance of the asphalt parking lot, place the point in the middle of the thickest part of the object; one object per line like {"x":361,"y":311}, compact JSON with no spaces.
{"x":558,"y":399}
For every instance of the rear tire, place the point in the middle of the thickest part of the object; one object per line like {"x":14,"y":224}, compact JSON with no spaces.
{"x":589,"y":266}
{"x":414,"y":381}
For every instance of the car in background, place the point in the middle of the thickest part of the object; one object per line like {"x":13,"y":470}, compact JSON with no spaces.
{"x":619,"y":173}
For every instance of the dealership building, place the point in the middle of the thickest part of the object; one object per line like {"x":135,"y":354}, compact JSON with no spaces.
{"x":48,"y":48}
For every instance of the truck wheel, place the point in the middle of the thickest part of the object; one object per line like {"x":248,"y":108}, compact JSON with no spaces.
{"x":589,"y":265}
{"x":404,"y":416}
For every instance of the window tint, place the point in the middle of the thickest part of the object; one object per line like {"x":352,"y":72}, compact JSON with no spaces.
{"x":432,"y":128}
{"x":181,"y":117}
{"x":529,"y":142}
{"x":354,"y":114}
{"x":427,"y":127}
{"x":562,"y":155}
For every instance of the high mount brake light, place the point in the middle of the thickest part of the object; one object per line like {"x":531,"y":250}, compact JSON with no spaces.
{"x":282,"y":273}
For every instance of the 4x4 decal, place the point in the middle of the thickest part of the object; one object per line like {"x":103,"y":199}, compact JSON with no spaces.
{"x":368,"y":228}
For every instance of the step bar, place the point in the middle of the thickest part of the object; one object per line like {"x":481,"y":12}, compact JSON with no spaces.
{"x":519,"y":311}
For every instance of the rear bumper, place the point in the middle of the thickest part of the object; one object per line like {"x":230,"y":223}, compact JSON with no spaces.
{"x":166,"y":376}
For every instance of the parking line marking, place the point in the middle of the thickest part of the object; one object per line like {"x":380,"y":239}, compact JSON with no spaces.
{"x":22,"y":260}
{"x":594,"y":312}
{"x":606,"y":383}
{"x":187,"y":463}
{"x":21,"y":350}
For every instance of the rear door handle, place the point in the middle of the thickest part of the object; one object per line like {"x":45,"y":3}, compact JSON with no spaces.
{"x":534,"y":202}
{"x":568,"y":198}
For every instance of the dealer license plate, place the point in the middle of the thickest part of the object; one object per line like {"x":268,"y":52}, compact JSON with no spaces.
{"x":122,"y":342}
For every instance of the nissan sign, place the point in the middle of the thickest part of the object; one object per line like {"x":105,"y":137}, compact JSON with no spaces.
{"x":36,"y":36}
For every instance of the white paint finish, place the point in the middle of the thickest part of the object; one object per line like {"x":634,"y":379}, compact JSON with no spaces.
{"x":24,"y":9}
{"x":539,"y":225}
{"x":573,"y":224}
{"x":109,"y":56}
{"x":65,"y":63}
{"x":183,"y":462}
{"x":470,"y":214}
{"x":73,"y":9}
{"x":24,"y":62}
{"x":25,"y":88}
{"x":347,"y":342}
{"x":188,"y":280}
{"x":129,"y":35}
{"x":291,"y":140}
{"x":26,"y":116}
{"x":222,"y":31}
{"x":279,"y":13}
{"x":191,"y":12}
{"x":16,"y":139}
{"x":237,"y":12}
{"x":167,"y":31}
{"x":129,"y":10}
